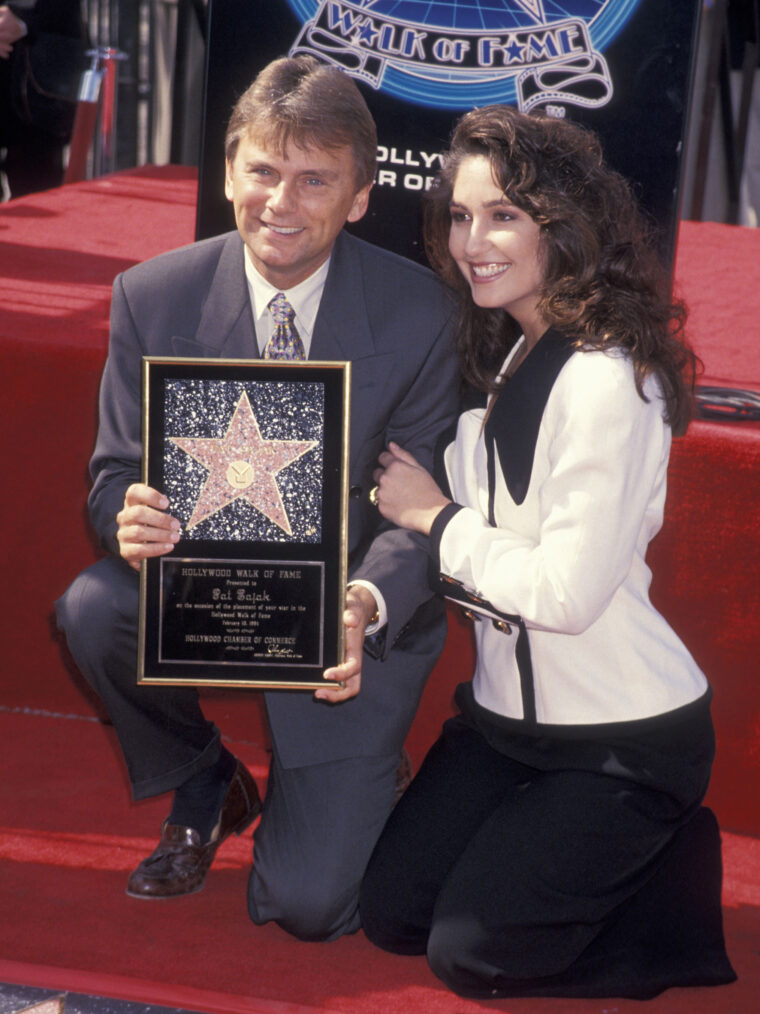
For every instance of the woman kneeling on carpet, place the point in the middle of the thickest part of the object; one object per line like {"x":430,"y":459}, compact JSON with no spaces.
{"x":553,"y":842}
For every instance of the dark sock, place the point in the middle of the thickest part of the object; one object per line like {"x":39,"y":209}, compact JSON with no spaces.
{"x":198,"y":801}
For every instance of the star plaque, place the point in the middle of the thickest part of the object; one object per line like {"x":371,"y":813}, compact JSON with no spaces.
{"x":242,"y":464}
{"x":252,"y":457}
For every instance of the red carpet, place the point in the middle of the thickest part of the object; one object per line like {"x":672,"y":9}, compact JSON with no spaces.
{"x":69,"y":836}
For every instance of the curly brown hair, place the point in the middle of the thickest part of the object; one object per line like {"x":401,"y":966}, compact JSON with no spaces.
{"x":604,"y":285}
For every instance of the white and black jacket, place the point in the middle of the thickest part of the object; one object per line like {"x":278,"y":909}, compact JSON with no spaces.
{"x":555,"y":504}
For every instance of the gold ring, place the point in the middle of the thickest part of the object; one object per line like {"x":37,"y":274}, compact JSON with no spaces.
{"x":373,"y":496}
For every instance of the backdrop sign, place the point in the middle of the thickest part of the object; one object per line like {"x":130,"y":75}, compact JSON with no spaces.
{"x":622,"y":67}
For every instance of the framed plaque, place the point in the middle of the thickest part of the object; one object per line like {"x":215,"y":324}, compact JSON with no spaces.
{"x":253,"y":457}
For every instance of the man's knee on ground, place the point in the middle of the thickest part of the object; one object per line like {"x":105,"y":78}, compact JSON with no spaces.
{"x":309,"y":907}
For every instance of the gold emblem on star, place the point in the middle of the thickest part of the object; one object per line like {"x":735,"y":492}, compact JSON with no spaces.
{"x":240,"y":474}
{"x":242,"y":465}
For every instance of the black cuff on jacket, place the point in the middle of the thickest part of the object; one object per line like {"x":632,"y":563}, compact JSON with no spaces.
{"x":436,"y":530}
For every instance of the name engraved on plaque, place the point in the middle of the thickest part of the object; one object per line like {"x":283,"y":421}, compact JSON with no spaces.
{"x":246,"y":612}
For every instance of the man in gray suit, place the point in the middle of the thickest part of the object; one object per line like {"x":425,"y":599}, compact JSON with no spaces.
{"x":300,"y":161}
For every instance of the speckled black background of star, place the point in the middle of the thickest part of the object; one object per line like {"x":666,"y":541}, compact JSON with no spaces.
{"x":284,"y":411}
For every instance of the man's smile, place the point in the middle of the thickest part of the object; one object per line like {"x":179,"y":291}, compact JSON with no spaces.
{"x":283,"y":230}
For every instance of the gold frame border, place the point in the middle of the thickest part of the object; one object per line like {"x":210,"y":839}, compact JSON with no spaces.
{"x":345,"y":367}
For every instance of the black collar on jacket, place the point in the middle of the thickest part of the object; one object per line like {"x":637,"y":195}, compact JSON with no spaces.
{"x":515,"y":419}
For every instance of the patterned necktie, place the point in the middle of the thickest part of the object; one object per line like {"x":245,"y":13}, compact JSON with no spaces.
{"x":285,"y":343}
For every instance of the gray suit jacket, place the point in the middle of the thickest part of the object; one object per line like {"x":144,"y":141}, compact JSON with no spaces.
{"x":391,"y":318}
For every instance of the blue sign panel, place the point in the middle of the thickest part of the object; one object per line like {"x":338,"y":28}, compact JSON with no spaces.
{"x":459,"y":55}
{"x":620,"y":66}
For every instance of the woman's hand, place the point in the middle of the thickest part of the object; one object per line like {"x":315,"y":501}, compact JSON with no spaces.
{"x":407,"y":494}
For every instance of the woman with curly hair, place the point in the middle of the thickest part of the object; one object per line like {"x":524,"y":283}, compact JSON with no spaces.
{"x":554,"y":842}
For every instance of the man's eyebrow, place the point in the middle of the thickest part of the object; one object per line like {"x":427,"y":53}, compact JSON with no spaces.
{"x":327,"y":174}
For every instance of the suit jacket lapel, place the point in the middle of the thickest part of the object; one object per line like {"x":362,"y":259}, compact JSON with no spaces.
{"x":342,"y":328}
{"x":226,"y":327}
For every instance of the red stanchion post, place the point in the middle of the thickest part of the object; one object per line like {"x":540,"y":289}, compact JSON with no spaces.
{"x":85,"y":120}
{"x":97,"y":93}
{"x":105,"y":155}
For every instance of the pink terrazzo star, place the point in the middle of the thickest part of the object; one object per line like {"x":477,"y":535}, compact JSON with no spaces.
{"x":243,"y":465}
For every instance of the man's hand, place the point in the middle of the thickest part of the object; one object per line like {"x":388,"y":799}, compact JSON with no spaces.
{"x":360,"y":608}
{"x":11,"y":30}
{"x":145,"y":529}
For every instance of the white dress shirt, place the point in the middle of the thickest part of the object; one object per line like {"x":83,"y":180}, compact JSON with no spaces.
{"x":305,"y":299}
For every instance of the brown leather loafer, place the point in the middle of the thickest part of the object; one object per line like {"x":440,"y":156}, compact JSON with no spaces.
{"x":180,"y":862}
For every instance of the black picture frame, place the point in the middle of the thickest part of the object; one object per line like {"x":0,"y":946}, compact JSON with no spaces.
{"x":253,"y":457}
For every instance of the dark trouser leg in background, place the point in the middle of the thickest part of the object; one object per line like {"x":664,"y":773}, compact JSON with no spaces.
{"x":166,"y":741}
{"x":163,"y":733}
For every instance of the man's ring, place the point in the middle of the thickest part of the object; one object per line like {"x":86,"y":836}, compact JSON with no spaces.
{"x":373,"y":496}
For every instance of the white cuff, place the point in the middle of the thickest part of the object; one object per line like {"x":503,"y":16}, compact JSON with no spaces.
{"x":382,"y":610}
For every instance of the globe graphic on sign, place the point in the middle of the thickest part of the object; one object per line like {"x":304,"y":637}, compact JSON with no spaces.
{"x":442,"y":88}
{"x":480,"y":14}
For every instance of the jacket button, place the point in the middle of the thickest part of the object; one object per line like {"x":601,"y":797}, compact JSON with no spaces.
{"x":355,"y":492}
